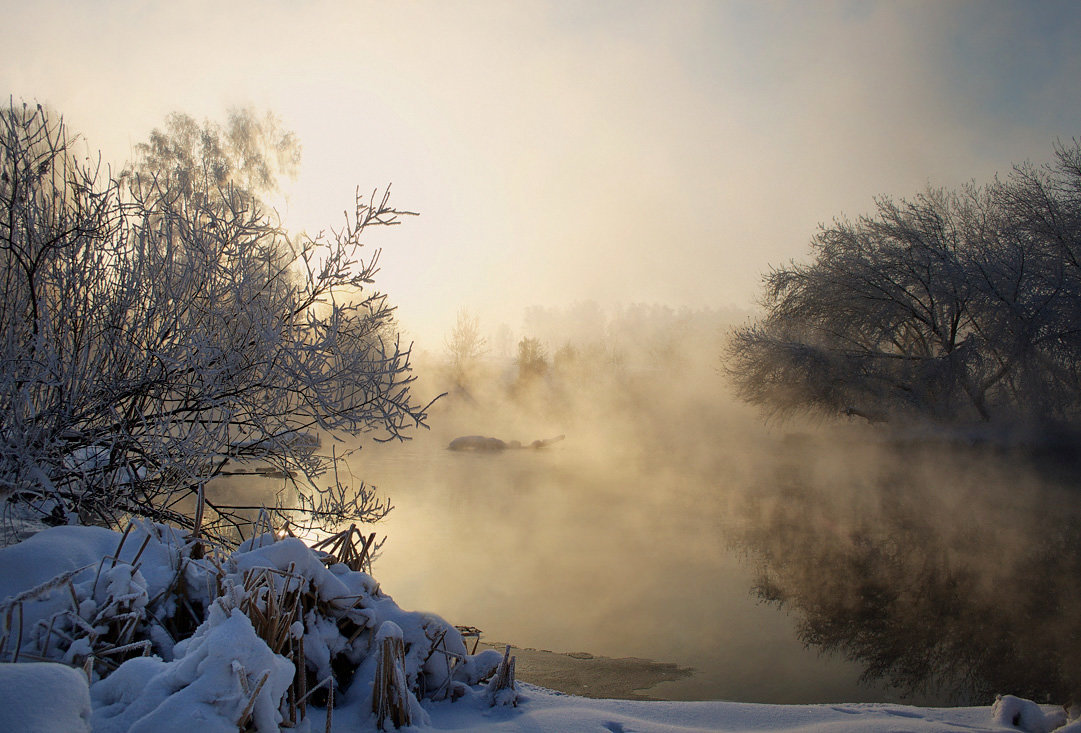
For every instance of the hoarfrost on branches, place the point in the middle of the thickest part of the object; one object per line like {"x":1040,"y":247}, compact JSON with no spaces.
{"x":952,"y":306}
{"x":160,"y":329}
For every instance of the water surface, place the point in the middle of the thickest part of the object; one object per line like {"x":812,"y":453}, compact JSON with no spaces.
{"x":796,"y":574}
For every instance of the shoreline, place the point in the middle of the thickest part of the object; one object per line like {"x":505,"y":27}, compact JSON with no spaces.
{"x":587,"y":675}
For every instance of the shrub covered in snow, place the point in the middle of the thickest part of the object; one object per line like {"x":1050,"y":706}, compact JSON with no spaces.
{"x":162,"y":329}
{"x":259,"y":638}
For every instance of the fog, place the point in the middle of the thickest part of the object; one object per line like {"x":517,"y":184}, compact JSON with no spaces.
{"x":568,"y":161}
{"x":560,"y":152}
{"x":794,"y":562}
{"x":601,"y":542}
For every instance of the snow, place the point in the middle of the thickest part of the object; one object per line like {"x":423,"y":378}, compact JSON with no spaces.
{"x":69,"y":596}
{"x":42,"y":697}
{"x":209,"y":684}
{"x":540,"y":709}
{"x":1014,"y":712}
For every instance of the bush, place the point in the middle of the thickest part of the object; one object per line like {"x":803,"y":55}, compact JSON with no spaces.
{"x":160,"y":329}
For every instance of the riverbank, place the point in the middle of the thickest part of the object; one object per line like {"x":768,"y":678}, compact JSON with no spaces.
{"x":586,"y":675}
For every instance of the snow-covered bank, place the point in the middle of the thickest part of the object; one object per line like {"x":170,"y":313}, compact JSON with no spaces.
{"x":544,"y":710}
{"x":48,"y":697}
{"x":138,"y":633}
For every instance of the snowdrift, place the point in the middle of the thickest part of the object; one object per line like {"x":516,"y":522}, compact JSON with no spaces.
{"x":265,"y":637}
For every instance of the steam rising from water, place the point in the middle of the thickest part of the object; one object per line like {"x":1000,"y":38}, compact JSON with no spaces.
{"x":782,"y":562}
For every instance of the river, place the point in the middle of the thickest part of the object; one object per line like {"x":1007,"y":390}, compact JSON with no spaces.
{"x":799,"y":574}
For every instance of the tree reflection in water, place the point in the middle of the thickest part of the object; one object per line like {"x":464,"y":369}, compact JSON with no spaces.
{"x":943,"y":571}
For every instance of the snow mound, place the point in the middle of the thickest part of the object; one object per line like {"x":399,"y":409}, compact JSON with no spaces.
{"x":226,"y":673}
{"x":260,"y":638}
{"x":42,"y":697}
{"x":1025,"y":715}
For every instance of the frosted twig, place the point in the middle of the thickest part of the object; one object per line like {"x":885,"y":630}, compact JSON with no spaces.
{"x":246,"y":713}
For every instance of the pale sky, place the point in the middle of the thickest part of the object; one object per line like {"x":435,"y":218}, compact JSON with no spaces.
{"x":621,"y":152}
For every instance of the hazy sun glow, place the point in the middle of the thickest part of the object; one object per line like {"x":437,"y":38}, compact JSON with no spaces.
{"x":559,"y":151}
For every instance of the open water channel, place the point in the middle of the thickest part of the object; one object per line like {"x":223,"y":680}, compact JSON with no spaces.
{"x":799,"y":571}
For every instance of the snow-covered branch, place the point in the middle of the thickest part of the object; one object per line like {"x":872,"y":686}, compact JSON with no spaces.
{"x":160,"y":327}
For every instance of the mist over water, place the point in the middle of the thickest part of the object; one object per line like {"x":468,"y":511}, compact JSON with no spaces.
{"x":540,"y":549}
{"x":792,"y":563}
{"x":782,"y":587}
{"x":783,"y":563}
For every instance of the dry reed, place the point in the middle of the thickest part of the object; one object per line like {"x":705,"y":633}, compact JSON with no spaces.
{"x":390,"y":695}
{"x":501,"y":689}
{"x":349,"y":547}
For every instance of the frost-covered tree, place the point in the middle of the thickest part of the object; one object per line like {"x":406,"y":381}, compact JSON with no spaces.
{"x":464,"y":348}
{"x":248,"y":153}
{"x":160,"y":329}
{"x":949,"y":306}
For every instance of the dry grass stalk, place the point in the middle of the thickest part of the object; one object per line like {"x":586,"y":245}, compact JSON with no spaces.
{"x":263,"y":524}
{"x":272,"y":606}
{"x":123,"y":539}
{"x":139,"y":553}
{"x":439,"y":646}
{"x":291,"y":721}
{"x":300,"y":680}
{"x":115,"y":557}
{"x":39,"y":591}
{"x":390,"y":696}
{"x":301,"y":703}
{"x":501,"y":689}
{"x":330,"y":707}
{"x":143,"y":646}
{"x":349,"y":547}
{"x":242,"y":721}
{"x":9,"y":626}
{"x":327,"y":682}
